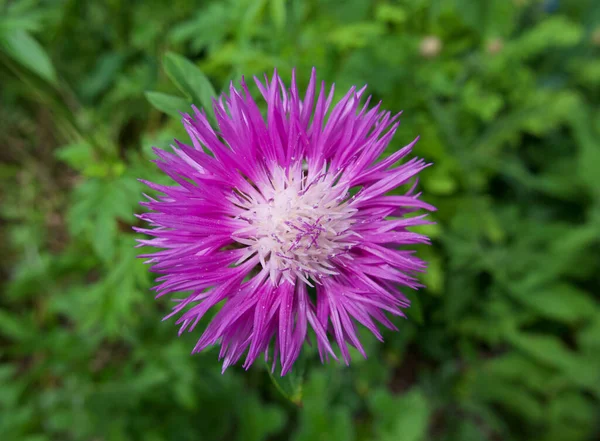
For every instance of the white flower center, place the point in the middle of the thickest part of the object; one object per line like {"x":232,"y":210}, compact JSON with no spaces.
{"x":297,"y":224}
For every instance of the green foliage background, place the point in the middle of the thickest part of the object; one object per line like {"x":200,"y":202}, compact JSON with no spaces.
{"x":504,"y":344}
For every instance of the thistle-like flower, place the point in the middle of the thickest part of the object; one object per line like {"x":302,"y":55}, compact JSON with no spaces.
{"x":285,"y":223}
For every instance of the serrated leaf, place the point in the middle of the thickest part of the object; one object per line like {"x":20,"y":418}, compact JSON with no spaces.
{"x":546,"y":349}
{"x":581,"y":369}
{"x":517,"y":368}
{"x":78,"y":155}
{"x":169,"y":104}
{"x":97,"y":205}
{"x":514,"y":398}
{"x":561,"y":302}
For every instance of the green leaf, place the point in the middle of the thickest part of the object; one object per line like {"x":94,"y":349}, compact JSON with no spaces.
{"x":500,"y":18}
{"x":589,"y":336}
{"x":103,"y":238}
{"x":103,"y":75}
{"x":515,"y":367}
{"x":291,"y":385}
{"x":561,"y":302}
{"x":587,"y":138}
{"x":471,"y":431}
{"x":440,"y":181}
{"x":404,"y":418}
{"x":169,"y":104}
{"x":278,"y":13}
{"x":97,"y":205}
{"x":556,"y":31}
{"x":415,"y":312}
{"x":581,"y":369}
{"x":546,"y":349}
{"x":320,"y":419}
{"x":29,"y":22}
{"x":251,"y":18}
{"x":14,"y":326}
{"x":355,"y":35}
{"x":480,"y":102}
{"x":7,"y":371}
{"x":515,"y":399}
{"x":390,"y":13}
{"x":570,"y":413}
{"x":25,"y":50}
{"x":471,"y":13}
{"x":434,"y":278}
{"x":571,"y":416}
{"x":78,"y":155}
{"x":190,"y":80}
{"x":258,"y":421}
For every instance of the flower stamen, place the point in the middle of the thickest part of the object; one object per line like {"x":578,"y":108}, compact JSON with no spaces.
{"x":302,"y":225}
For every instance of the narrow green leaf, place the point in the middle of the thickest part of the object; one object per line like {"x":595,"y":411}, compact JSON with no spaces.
{"x":278,"y":13}
{"x":25,"y":50}
{"x":169,"y":104}
{"x":190,"y":80}
{"x":250,"y":23}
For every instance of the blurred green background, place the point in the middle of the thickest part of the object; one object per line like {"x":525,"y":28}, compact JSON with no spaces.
{"x":504,"y":344}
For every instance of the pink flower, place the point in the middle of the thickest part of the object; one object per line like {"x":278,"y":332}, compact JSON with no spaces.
{"x":287,"y":221}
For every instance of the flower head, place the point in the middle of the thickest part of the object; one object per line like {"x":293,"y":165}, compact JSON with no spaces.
{"x":286,"y":223}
